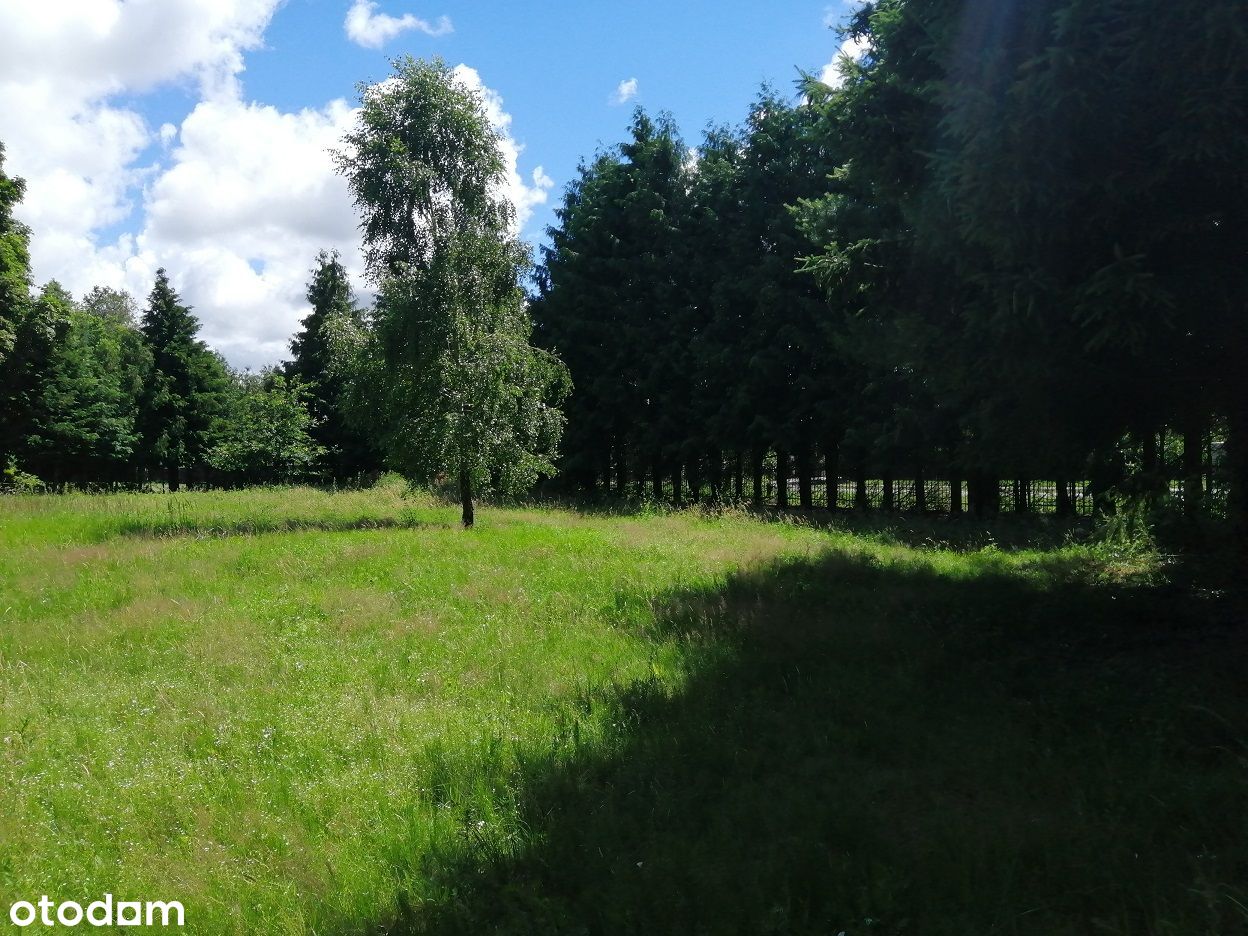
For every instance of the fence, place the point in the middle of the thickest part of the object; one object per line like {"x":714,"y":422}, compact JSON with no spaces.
{"x":1032,"y":496}
{"x":1015,"y":496}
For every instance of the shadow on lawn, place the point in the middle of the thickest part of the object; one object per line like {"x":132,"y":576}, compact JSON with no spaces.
{"x":964,"y":532}
{"x":883,"y":749}
{"x":175,"y":527}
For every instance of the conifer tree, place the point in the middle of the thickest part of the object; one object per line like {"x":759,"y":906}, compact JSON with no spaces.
{"x":614,"y":295}
{"x":187,"y":386}
{"x":348,"y":450}
{"x":84,"y":423}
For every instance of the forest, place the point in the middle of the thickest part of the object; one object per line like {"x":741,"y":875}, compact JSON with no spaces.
{"x":1001,"y":266}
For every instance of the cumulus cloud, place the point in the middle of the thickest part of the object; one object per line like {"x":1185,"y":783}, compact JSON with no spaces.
{"x":93,"y":47}
{"x":368,"y":28}
{"x":234,"y":200}
{"x":238,"y":216}
{"x":625,"y":91}
{"x":524,"y":195}
{"x":237,"y":235}
{"x":61,"y":63}
{"x":851,"y":50}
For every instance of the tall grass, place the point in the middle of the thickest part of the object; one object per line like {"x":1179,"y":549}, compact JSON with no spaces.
{"x":304,"y":712}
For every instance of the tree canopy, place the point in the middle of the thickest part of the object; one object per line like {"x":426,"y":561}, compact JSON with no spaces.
{"x":443,"y":368}
{"x":348,"y":449}
{"x":187,"y":385}
{"x":14,"y":261}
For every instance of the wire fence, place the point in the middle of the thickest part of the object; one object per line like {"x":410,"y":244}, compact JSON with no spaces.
{"x":938,"y":495}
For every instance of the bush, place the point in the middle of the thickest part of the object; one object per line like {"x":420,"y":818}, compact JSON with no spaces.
{"x":15,"y":480}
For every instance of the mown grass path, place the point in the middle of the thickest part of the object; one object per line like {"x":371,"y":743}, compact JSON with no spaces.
{"x":299,"y":712}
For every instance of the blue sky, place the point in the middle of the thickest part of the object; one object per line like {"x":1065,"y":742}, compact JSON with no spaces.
{"x":193,"y":134}
{"x":558,"y":67}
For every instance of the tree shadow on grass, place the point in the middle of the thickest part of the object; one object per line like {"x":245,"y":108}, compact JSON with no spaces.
{"x":962,"y":532}
{"x":869,"y":748}
{"x":174,"y":527}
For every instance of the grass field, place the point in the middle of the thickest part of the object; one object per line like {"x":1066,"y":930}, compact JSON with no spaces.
{"x":303,"y":712}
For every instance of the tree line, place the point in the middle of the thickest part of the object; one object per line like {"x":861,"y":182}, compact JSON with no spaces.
{"x":438,"y":380}
{"x":101,"y":391}
{"x":1012,"y":244}
{"x":1010,"y":247}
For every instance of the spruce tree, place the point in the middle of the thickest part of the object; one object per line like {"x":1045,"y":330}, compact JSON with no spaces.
{"x":84,"y":425}
{"x":186,"y":388}
{"x":348,"y":449}
{"x":614,"y":297}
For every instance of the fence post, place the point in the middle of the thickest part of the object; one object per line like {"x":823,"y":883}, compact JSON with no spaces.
{"x":621,"y":470}
{"x":830,"y":468}
{"x":804,"y":494}
{"x":1193,"y":445}
{"x":1065,"y":505}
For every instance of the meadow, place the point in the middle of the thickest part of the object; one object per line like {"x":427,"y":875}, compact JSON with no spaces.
{"x":304,"y":712}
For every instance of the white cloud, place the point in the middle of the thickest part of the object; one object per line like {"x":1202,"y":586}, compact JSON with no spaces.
{"x":850,"y":50}
{"x":368,"y":28}
{"x":234,"y":200}
{"x":238,"y":217}
{"x":625,"y":91}
{"x":60,"y":63}
{"x":93,"y":47}
{"x":524,"y":195}
{"x":212,"y":209}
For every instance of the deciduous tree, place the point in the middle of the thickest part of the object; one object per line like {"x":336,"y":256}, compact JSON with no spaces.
{"x":265,"y":436}
{"x":444,"y":369}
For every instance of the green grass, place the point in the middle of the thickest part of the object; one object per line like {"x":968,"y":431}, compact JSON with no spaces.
{"x":302,"y":712}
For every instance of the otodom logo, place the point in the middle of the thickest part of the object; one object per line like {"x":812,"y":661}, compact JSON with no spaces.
{"x":103,"y":912}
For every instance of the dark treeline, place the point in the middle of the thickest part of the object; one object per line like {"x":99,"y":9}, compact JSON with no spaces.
{"x":1002,"y":266}
{"x":101,"y":391}
{"x":1009,"y":248}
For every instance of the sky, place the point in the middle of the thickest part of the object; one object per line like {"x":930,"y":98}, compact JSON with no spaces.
{"x":195,"y":135}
